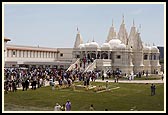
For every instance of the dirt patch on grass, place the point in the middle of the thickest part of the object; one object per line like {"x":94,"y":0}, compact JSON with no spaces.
{"x":13,"y":107}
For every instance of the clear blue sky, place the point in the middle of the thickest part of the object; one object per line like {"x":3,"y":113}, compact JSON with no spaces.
{"x":54,"y":25}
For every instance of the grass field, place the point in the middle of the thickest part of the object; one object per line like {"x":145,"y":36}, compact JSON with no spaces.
{"x":125,"y":97}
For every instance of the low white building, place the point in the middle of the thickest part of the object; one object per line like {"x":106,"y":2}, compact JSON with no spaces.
{"x":28,"y":56}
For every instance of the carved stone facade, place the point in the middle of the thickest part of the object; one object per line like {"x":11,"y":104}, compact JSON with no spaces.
{"x":125,"y":52}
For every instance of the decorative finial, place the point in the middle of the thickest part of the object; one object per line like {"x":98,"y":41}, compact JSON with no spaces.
{"x":133,"y":23}
{"x":112,"y":23}
{"x":77,"y":29}
{"x":123,"y":19}
{"x":93,"y":39}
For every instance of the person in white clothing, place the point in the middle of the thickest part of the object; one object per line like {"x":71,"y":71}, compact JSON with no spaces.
{"x":130,"y":77}
{"x":57,"y":107}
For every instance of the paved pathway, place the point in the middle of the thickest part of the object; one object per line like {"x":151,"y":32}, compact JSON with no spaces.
{"x":133,"y":81}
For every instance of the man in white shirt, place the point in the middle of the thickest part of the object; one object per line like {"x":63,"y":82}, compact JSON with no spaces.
{"x":57,"y":107}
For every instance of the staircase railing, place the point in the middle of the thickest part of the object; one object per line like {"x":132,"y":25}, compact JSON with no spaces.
{"x":91,"y":66}
{"x":72,"y":66}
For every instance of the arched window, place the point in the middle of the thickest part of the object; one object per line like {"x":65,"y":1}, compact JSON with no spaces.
{"x":77,"y":56}
{"x":154,"y":57}
{"x":14,"y":53}
{"x":150,"y":57}
{"x":145,"y":57}
{"x":104,"y":55}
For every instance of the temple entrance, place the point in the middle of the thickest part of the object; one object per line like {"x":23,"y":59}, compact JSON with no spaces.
{"x":104,"y":55}
{"x":91,"y":55}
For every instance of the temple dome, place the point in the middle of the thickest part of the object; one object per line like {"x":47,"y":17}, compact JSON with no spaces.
{"x":93,"y":44}
{"x":114,"y":43}
{"x":81,"y":46}
{"x":154,"y":49}
{"x":87,"y":44}
{"x":121,"y":46}
{"x":105,"y":46}
{"x":147,"y":48}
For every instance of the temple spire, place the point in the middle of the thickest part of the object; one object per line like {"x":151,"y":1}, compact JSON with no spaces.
{"x":79,"y":39}
{"x":133,"y":36}
{"x":122,"y":34}
{"x":112,"y":33}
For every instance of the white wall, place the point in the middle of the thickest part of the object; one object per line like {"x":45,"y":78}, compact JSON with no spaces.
{"x":67,"y":53}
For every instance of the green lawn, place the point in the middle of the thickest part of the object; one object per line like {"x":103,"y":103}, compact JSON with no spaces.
{"x":124,"y":98}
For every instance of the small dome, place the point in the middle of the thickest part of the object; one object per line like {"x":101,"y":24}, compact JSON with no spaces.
{"x":105,"y":46}
{"x":81,"y":46}
{"x":121,"y":46}
{"x":87,"y":44}
{"x":114,"y":43}
{"x":154,"y":49}
{"x":7,"y":39}
{"x":94,"y":44}
{"x":147,"y":48}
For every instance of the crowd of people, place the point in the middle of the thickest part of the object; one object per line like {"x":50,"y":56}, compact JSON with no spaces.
{"x":37,"y":77}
